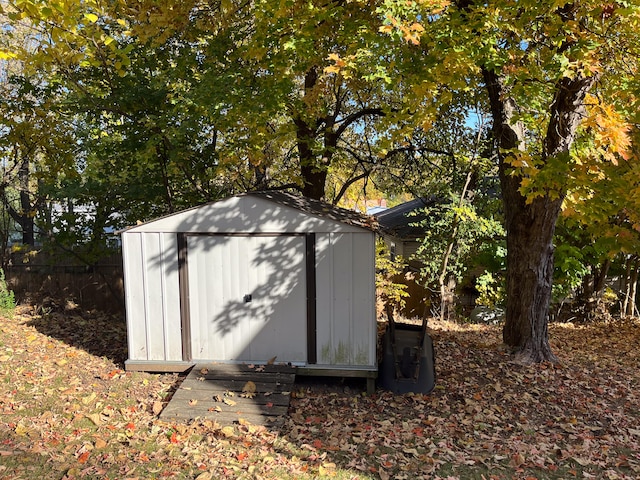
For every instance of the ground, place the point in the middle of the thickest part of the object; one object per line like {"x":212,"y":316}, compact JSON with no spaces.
{"x":69,"y":411}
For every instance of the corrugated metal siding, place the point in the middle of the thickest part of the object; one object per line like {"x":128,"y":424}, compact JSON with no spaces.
{"x":135,"y":297}
{"x":222,"y":270}
{"x":153,"y":298}
{"x":345,"y":299}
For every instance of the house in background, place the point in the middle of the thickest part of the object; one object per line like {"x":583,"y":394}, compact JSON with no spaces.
{"x":401,"y":230}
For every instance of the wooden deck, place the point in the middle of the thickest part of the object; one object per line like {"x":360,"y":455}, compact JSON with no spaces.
{"x":225,"y":393}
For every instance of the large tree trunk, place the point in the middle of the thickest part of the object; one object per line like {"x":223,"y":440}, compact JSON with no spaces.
{"x":313,"y":172}
{"x":531,"y":224}
{"x":530,"y":229}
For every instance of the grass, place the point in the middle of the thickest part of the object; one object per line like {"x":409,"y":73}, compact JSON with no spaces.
{"x":69,"y":411}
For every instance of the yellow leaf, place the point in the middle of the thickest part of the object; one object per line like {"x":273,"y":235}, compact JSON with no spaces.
{"x":249,"y":387}
{"x":228,"y":431}
{"x":4,"y":55}
{"x":332,"y":69}
{"x":92,"y":17}
{"x":334,"y":57}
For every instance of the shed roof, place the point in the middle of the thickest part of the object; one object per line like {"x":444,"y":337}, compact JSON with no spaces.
{"x":318,"y":208}
{"x":287,"y":212}
{"x":403,"y":220}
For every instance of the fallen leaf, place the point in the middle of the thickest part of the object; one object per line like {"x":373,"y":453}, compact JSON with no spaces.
{"x":95,"y":418}
{"x":100,"y":443}
{"x":249,"y":387}
{"x":228,"y":431}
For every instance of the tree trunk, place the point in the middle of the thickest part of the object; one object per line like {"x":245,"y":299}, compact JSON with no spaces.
{"x":530,"y":229}
{"x":600,"y":279}
{"x":313,"y":173}
{"x":531,"y":224}
{"x":633,"y":290}
{"x":631,"y":282}
{"x":626,"y":287}
{"x":26,"y":210}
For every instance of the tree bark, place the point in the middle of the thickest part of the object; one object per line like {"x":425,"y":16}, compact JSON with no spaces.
{"x":313,"y":173}
{"x":531,"y":224}
{"x":633,"y":290}
{"x":631,"y":282}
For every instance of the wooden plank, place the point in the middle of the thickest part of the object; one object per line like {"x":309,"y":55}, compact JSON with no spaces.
{"x":210,"y":406}
{"x":205,"y":395}
{"x":228,"y":418}
{"x":245,"y":376}
{"x":337,"y":372}
{"x":215,"y":392}
{"x":223,"y":385}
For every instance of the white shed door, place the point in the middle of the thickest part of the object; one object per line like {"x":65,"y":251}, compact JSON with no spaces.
{"x":247,"y":298}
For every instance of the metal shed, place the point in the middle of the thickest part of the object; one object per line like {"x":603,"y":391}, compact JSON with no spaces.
{"x":249,"y":278}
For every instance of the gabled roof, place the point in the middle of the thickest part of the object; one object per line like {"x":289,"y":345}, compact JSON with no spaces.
{"x":318,"y":208}
{"x":403,"y":220}
{"x":260,"y":212}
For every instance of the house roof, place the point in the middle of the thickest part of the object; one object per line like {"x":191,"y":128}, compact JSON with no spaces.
{"x":403,"y":220}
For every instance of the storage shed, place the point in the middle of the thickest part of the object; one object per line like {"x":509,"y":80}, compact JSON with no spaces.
{"x":249,"y":278}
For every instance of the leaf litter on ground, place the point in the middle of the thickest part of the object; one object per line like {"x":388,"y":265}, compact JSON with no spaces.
{"x":68,"y":410}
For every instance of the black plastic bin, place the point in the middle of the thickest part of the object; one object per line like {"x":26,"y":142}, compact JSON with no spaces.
{"x":403,"y":379}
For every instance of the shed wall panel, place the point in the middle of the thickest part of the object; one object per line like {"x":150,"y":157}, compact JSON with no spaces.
{"x":153,"y":290}
{"x":135,"y":296}
{"x":342,"y":341}
{"x":324,"y":299}
{"x":171,"y":297}
{"x":364,"y":327}
{"x":154,"y":298}
{"x":345,"y":278}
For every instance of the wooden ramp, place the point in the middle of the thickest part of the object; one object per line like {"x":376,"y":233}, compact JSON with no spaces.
{"x":258,"y":394}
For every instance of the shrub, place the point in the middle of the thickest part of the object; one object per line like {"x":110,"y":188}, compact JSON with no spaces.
{"x":7,"y":299}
